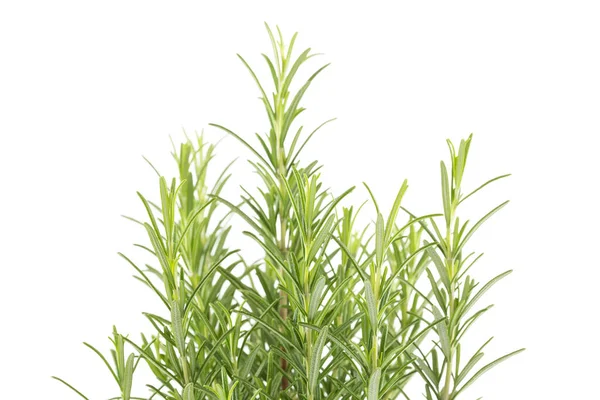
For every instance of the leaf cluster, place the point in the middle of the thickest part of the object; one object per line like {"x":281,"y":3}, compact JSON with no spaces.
{"x":332,"y":310}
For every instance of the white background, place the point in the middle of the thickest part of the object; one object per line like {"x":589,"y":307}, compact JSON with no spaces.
{"x":87,"y":88}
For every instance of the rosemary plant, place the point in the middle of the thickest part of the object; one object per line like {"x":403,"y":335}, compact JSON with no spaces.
{"x":332,"y":310}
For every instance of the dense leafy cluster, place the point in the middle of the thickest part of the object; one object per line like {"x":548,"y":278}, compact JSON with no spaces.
{"x":333,"y":310}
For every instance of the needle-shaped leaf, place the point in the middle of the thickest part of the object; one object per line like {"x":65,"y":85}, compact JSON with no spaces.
{"x":188,"y":392}
{"x":70,"y":387}
{"x":315,"y":361}
{"x":239,"y":138}
{"x":439,"y":265}
{"x":322,"y":238}
{"x":128,"y":377}
{"x":437,"y":293}
{"x":483,"y":290}
{"x":394,"y":211}
{"x":471,"y":363}
{"x":442,"y":331}
{"x":371,"y":305}
{"x":446,"y":195}
{"x":486,"y":368}
{"x":315,"y":298}
{"x":478,"y":224}
{"x":177,"y":326}
{"x":482,"y":186}
{"x":294,"y":158}
{"x":379,"y":239}
{"x":373,"y":390}
{"x":99,"y":354}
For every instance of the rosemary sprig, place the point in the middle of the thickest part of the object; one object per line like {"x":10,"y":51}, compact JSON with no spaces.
{"x":455,"y":293}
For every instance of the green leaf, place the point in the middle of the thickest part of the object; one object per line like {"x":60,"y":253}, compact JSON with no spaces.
{"x":471,"y":363}
{"x":206,"y":278}
{"x":272,"y":330}
{"x":358,"y":268}
{"x":315,"y":361}
{"x":110,"y":368}
{"x":371,"y":306}
{"x":373,"y":391}
{"x":394,"y":211}
{"x":446,"y":195}
{"x":146,"y":280}
{"x":290,"y":75}
{"x":190,"y":222}
{"x":262,"y":91}
{"x":177,"y":326}
{"x":315,"y":298}
{"x":482,"y":186}
{"x":128,"y":377}
{"x":70,"y":387}
{"x":256,"y":153}
{"x":322,"y":238}
{"x":486,"y":368}
{"x":470,"y":321}
{"x":379,"y":239}
{"x":372,"y":197}
{"x":482,"y":291}
{"x":295,"y":157}
{"x":442,"y":331}
{"x":427,"y":373}
{"x":478,"y":224}
{"x":434,"y":288}
{"x":188,"y":392}
{"x":289,"y":117}
{"x":441,"y":268}
{"x":242,"y":214}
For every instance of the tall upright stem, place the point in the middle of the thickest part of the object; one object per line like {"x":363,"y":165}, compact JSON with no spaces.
{"x":449,"y":259}
{"x":283,"y":300}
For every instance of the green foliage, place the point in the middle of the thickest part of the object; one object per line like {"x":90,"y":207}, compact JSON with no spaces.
{"x":332,"y":310}
{"x":454,"y":292}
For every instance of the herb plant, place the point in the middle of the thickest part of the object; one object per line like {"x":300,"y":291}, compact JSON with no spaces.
{"x":332,"y":310}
